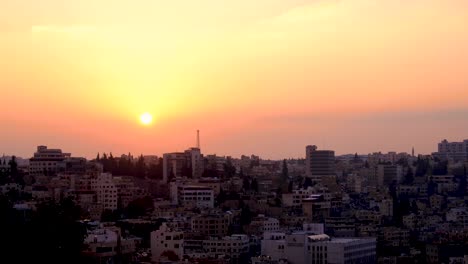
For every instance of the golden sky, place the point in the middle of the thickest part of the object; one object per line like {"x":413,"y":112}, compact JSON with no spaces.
{"x":265,"y":77}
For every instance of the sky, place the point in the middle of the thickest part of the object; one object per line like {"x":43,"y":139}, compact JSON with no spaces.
{"x":264,"y":77}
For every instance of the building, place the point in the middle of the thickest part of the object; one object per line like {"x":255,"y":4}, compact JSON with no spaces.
{"x":192,"y":195}
{"x":165,"y":240}
{"x":106,"y":191}
{"x":319,"y":163}
{"x":231,"y":247}
{"x":46,"y":162}
{"x":303,"y":247}
{"x":386,"y":174}
{"x":189,"y":163}
{"x":72,"y":165}
{"x":323,"y":249}
{"x":173,"y":163}
{"x":212,"y":224}
{"x":457,"y":151}
{"x":195,"y":159}
{"x":102,"y":245}
{"x":261,"y":224}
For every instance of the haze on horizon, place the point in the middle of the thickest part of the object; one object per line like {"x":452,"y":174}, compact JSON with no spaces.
{"x":266,"y":77}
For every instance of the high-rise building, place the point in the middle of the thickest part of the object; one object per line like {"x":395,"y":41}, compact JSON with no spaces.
{"x":106,"y":191}
{"x":319,"y":163}
{"x":458,"y":151}
{"x":188,"y":163}
{"x":195,"y":160}
{"x":173,"y":163}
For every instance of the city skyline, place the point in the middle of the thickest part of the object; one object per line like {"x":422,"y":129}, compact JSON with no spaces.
{"x":160,"y":155}
{"x":266,"y":78}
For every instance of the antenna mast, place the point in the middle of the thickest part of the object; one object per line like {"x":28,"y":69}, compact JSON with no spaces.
{"x":198,"y":139}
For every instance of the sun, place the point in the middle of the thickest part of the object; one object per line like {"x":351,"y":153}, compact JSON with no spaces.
{"x":146,"y":118}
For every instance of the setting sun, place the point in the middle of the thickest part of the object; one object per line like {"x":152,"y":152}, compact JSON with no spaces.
{"x":146,"y":118}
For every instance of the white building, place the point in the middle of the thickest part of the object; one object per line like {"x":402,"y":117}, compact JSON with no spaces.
{"x":229,"y":246}
{"x":263,"y":224}
{"x":341,"y":250}
{"x":103,"y":244}
{"x":296,"y":197}
{"x":302,"y":248}
{"x":166,"y":239}
{"x":192,"y":196}
{"x":106,"y":191}
{"x":232,"y":246}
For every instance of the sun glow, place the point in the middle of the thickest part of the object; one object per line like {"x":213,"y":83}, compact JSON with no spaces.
{"x":146,"y":118}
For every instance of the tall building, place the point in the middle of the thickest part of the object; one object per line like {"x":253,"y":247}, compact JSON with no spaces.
{"x":195,"y":160}
{"x":319,"y":163}
{"x":188,"y":163}
{"x":173,"y":163}
{"x":46,"y":162}
{"x":458,"y":151}
{"x":106,"y":191}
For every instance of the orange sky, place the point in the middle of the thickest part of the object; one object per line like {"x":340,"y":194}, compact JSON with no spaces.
{"x":265,"y":77}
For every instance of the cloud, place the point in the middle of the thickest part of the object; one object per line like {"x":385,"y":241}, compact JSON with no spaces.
{"x":63,"y":29}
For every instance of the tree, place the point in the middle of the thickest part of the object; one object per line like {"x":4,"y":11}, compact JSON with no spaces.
{"x":463,"y":183}
{"x":140,"y":207}
{"x":140,"y":167}
{"x":284,"y":177}
{"x":13,"y":167}
{"x":440,"y":168}
{"x":170,"y":255}
{"x":108,"y":216}
{"x":245,"y":216}
{"x":254,"y":185}
{"x":246,"y":184}
{"x":155,"y":171}
{"x":187,"y":171}
{"x":422,"y":167}
{"x":52,"y":228}
{"x":308,"y":183}
{"x":221,"y":197}
{"x":229,"y":169}
{"x":290,"y":187}
{"x":111,"y":164}
{"x":409,"y":176}
{"x":284,"y":171}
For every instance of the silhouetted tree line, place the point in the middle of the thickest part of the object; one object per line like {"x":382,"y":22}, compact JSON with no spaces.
{"x":52,"y":234}
{"x":9,"y":172}
{"x":130,"y":166}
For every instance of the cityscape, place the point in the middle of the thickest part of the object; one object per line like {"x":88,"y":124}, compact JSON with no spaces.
{"x":233,"y":132}
{"x":190,"y":207}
